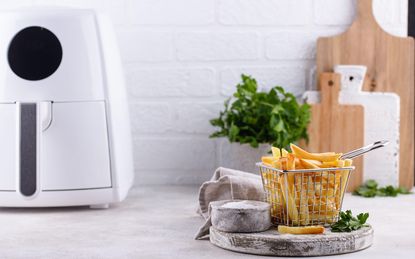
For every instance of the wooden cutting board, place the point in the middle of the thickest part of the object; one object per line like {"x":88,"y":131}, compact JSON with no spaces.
{"x":272,"y":243}
{"x":381,"y":165}
{"x":336,"y":127}
{"x":390,"y":64}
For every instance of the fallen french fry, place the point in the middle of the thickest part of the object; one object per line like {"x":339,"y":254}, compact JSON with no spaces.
{"x":300,"y":230}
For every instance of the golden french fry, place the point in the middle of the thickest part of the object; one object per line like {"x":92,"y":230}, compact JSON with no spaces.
{"x":292,"y":208}
{"x":348,"y":162}
{"x":301,"y":198}
{"x":278,"y":164}
{"x":336,"y":163}
{"x":288,"y":193}
{"x":301,"y":230}
{"x":269,"y":160}
{"x":298,"y":164}
{"x":284,"y":152}
{"x":276,"y":152}
{"x":325,"y":153}
{"x":291,"y":161}
{"x":344,"y":175}
{"x":310,"y":164}
{"x":324,"y":157}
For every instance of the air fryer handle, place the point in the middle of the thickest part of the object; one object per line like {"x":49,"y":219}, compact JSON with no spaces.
{"x":34,"y":118}
{"x":28,"y":135}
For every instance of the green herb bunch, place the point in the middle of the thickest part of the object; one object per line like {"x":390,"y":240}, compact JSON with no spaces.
{"x":255,"y":117}
{"x":370,"y":189}
{"x":348,"y":222}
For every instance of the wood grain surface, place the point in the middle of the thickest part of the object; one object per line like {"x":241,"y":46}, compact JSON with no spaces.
{"x":335,"y":127}
{"x":390,"y":63}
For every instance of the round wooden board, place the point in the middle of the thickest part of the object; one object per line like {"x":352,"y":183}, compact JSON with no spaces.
{"x":272,"y":243}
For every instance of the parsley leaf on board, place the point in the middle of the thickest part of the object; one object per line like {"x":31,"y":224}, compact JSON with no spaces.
{"x":370,"y":189}
{"x":252,"y":117}
{"x":348,"y":222}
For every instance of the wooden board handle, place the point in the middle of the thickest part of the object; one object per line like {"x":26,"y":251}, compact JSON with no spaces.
{"x":365,"y":12}
{"x":329,"y":88}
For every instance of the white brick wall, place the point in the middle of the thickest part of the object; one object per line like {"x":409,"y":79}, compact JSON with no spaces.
{"x":183,"y":57}
{"x":265,"y":12}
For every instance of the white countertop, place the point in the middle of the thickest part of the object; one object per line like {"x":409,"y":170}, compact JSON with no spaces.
{"x":160,"y":222}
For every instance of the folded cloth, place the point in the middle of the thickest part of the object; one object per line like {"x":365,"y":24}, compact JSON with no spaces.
{"x":227,"y":184}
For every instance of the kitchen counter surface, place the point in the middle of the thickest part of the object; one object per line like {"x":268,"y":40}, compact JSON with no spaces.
{"x":160,"y":222}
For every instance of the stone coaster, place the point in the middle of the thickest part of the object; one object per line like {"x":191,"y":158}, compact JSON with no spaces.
{"x":240,"y":216}
{"x":272,"y":243}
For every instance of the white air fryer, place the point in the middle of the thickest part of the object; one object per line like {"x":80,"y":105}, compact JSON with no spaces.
{"x":64,"y":123}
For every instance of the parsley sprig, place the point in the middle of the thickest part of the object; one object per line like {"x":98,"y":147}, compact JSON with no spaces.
{"x":252,"y":117}
{"x":348,"y":222}
{"x":370,"y":189}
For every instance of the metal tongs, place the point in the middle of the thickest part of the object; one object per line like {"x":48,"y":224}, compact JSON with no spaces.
{"x":365,"y":149}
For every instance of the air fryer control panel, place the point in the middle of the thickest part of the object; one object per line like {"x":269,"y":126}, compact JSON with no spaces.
{"x":34,"y":53}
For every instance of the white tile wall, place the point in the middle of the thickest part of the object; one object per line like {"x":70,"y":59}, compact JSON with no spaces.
{"x":183,"y":57}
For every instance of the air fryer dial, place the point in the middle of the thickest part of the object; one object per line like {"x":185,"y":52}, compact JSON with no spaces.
{"x":34,"y":53}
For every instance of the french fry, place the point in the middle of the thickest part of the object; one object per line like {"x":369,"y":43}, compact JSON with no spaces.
{"x":284,"y":152}
{"x":311,"y":164}
{"x":268,"y":160}
{"x":276,"y":152}
{"x":274,"y":181}
{"x":298,"y":164}
{"x":288,"y":193}
{"x":348,"y":162}
{"x":324,"y":157}
{"x":278,"y":165}
{"x":290,"y":162}
{"x":325,"y":154}
{"x":300,"y":230}
{"x":344,"y":175}
{"x":301,"y":200}
{"x":272,"y":162}
{"x":336,"y":163}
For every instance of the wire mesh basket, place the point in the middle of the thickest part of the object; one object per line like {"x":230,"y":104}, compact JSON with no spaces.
{"x":305,"y":197}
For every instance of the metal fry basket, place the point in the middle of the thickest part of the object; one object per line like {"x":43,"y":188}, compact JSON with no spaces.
{"x":305,"y":197}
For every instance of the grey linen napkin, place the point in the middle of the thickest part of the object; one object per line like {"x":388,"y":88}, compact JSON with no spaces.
{"x":227,"y":184}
